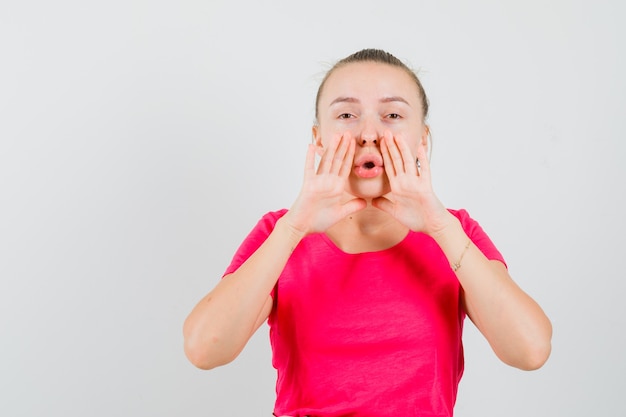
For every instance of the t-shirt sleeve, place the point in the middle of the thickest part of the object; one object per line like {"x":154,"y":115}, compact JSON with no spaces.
{"x":255,"y":238}
{"x":478,"y":236}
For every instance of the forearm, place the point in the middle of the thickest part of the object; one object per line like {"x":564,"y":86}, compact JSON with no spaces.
{"x":513,"y":323}
{"x":221,"y":324}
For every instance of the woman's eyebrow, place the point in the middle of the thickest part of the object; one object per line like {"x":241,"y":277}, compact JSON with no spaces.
{"x":356,"y":100}
{"x":394,"y":98}
{"x":344,"y":100}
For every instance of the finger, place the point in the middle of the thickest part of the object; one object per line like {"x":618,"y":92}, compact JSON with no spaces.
{"x":326,"y":161}
{"x":309,"y":164}
{"x":424,"y":162}
{"x":396,"y":156}
{"x":341,"y":152}
{"x":353,"y":206}
{"x":348,"y":159}
{"x":408,"y":159}
{"x":384,"y":150}
{"x":383,"y":204}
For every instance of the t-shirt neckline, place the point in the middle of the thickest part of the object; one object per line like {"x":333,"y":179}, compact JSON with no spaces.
{"x":340,"y":251}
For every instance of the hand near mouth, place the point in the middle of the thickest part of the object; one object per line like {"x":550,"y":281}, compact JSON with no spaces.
{"x":412,"y":200}
{"x":320,"y":202}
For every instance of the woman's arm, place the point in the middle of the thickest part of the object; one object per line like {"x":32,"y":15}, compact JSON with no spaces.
{"x":221,"y":324}
{"x":515,"y":326}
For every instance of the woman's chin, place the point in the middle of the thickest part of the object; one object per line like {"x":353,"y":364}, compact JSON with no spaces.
{"x":369,"y":189}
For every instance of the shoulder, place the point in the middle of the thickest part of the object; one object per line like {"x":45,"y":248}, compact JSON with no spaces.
{"x":476,"y":233}
{"x":266,"y":224}
{"x":270,"y":218}
{"x":467,"y":222}
{"x":255,"y":238}
{"x":277,"y":214}
{"x":459,"y":213}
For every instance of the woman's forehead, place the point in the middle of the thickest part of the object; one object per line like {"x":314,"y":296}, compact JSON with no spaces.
{"x":370,"y":78}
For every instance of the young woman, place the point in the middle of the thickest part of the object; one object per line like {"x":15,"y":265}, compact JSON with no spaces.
{"x":366,"y":280}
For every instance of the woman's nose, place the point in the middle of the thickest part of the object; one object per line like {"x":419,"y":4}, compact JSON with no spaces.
{"x":369,"y":135}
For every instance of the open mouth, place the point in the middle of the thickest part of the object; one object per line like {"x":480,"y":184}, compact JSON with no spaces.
{"x":368,"y":165}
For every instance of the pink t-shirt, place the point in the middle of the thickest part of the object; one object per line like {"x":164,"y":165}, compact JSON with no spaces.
{"x":369,"y":334}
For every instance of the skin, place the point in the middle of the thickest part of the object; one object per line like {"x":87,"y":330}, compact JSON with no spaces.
{"x":368,"y":108}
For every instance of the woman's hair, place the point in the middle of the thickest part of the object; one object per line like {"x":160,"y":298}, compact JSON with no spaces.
{"x":379,"y":56}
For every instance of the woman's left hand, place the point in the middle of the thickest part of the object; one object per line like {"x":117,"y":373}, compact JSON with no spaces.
{"x":412,"y":200}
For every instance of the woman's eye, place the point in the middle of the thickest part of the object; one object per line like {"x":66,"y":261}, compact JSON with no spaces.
{"x":393,"y":116}
{"x":345,"y":116}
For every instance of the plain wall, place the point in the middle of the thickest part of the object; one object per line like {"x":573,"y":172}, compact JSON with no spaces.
{"x":140,"y":141}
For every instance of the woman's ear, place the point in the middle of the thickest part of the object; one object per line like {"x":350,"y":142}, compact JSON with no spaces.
{"x":317,"y":137}
{"x":425,"y":142}
{"x":317,"y":140}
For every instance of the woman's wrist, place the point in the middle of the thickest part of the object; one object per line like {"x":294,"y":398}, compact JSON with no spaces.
{"x":449,"y":232}
{"x":290,"y":231}
{"x":442,"y":224}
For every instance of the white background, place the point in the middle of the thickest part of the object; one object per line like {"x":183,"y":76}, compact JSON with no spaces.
{"x":140,"y":141}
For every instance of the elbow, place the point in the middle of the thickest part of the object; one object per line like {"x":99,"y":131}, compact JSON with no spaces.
{"x":205,"y":357}
{"x":536,"y":357}
{"x":204,"y":351}
{"x":198,"y":357}
{"x":529,"y":358}
{"x":533,"y":352}
{"x":540,"y":347}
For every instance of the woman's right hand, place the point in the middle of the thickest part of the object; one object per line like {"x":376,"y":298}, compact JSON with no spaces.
{"x":320,"y":203}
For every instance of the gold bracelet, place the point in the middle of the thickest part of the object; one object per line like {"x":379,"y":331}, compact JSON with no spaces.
{"x":457,"y":264}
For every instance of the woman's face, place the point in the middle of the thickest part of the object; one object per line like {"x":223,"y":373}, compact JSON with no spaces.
{"x":367,"y":99}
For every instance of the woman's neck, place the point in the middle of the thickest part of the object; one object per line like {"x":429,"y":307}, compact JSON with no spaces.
{"x":368,"y":230}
